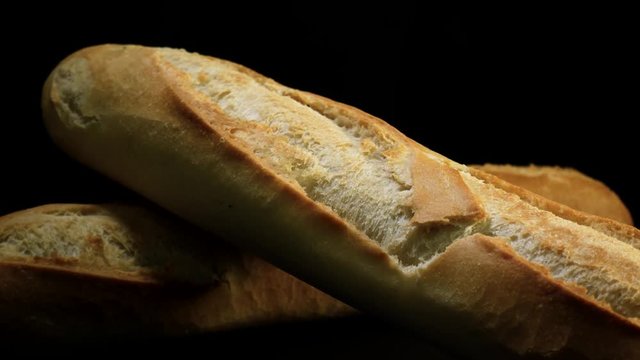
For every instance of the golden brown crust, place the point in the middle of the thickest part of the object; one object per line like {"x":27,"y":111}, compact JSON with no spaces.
{"x":221,"y":185}
{"x":566,"y":186}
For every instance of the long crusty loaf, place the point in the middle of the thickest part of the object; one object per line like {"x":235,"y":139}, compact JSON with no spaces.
{"x":89,"y":270}
{"x":348,"y":203}
{"x":566,"y":186}
{"x":124,"y":251}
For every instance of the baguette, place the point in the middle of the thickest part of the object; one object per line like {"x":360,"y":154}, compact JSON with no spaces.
{"x":91,"y":271}
{"x":349,"y":204}
{"x":566,"y":186}
{"x":128,"y":250}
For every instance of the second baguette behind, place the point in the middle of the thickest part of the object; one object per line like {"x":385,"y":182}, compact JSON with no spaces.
{"x":75,"y":271}
{"x":566,"y":186}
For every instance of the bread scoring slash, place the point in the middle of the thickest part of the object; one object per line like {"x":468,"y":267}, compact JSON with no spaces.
{"x":349,"y":204}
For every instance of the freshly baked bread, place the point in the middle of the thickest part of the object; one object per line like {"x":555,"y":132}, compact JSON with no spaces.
{"x":89,"y":270}
{"x":566,"y":186}
{"x":347,"y":203}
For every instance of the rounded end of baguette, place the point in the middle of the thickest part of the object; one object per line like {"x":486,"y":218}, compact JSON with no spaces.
{"x":67,"y":98}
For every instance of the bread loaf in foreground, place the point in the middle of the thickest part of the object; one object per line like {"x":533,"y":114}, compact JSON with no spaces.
{"x":347,"y":203}
{"x":134,"y":255}
{"x":566,"y":186}
{"x":94,"y":270}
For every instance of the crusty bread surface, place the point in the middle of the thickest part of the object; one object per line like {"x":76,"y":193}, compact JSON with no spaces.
{"x":566,"y":186}
{"x":349,"y":204}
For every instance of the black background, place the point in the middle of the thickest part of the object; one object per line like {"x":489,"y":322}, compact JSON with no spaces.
{"x":520,"y":85}
{"x":555,"y":86}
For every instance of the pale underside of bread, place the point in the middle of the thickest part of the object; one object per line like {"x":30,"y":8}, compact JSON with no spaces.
{"x":346,"y":202}
{"x":566,"y":186}
{"x":90,"y":270}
